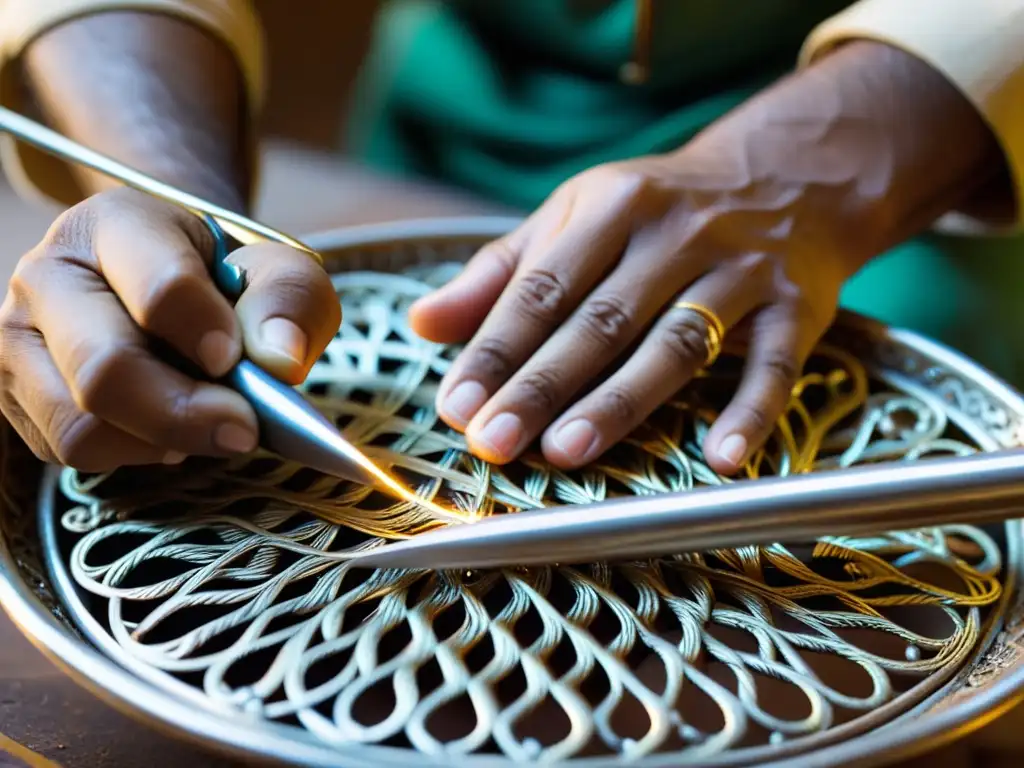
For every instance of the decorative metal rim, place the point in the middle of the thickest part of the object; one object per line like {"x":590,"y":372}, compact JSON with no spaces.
{"x":69,"y":595}
{"x":232,"y":733}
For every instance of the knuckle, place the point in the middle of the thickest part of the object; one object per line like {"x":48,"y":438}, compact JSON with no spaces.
{"x":758,"y":416}
{"x":542,"y":296}
{"x":624,"y":180}
{"x":302,"y":292}
{"x":177,"y":278}
{"x":541,"y":388}
{"x":287,"y":284}
{"x":31,"y":272}
{"x":502,"y":252}
{"x":12,"y":342}
{"x":7,"y":354}
{"x":94,"y":371}
{"x":621,"y":406}
{"x":10,"y":318}
{"x":608,"y":319}
{"x":685,"y":338}
{"x":19,"y":287}
{"x":113,"y":203}
{"x":491,"y":359}
{"x":119,"y":196}
{"x":73,"y":227}
{"x":781,"y":370}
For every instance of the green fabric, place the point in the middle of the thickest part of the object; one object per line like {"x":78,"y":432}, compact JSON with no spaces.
{"x":511,"y":97}
{"x":964,"y":292}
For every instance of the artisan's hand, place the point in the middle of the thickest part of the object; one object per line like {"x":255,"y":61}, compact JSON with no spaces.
{"x":81,"y":384}
{"x":596,"y":272}
{"x":575,"y":331}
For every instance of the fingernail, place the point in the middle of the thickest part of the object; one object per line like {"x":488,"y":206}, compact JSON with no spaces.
{"x":234,"y":438}
{"x":576,"y":439}
{"x":501,"y":437}
{"x":285,"y":338}
{"x":217,"y":352}
{"x":733,"y":449}
{"x":173,"y":457}
{"x":463,"y":402}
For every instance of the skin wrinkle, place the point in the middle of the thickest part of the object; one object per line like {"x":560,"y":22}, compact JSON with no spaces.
{"x":812,"y":178}
{"x":823,"y":137}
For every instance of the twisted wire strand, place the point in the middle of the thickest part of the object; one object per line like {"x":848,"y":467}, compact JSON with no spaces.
{"x":237,"y":575}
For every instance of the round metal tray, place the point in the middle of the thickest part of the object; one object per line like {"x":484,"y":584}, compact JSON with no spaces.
{"x":43,"y":595}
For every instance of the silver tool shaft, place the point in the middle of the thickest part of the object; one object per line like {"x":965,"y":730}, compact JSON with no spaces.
{"x":852,"y":502}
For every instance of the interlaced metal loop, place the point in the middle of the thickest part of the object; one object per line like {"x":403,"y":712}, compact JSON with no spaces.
{"x":234,"y":578}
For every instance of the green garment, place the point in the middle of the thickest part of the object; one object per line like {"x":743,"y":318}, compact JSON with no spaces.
{"x":509,"y":98}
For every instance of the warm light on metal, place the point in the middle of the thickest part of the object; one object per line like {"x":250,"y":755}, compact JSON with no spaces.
{"x":289,"y":425}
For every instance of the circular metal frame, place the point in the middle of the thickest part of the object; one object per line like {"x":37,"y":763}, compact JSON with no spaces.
{"x":233,"y":733}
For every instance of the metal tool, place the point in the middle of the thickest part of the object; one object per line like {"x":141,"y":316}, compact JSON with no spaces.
{"x":986,"y":487}
{"x":289,"y":426}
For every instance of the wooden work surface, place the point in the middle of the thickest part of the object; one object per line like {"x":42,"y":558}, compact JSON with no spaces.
{"x":47,"y":719}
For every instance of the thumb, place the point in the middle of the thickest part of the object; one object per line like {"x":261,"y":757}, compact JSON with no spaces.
{"x":289,"y":311}
{"x":453,"y":312}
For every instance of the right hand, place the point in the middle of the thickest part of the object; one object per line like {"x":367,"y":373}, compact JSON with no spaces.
{"x":80,"y":382}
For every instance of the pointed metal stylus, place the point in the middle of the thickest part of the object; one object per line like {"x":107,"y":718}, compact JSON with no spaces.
{"x":982,"y":488}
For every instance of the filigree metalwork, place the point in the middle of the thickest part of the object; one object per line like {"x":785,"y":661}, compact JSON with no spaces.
{"x":234,"y":578}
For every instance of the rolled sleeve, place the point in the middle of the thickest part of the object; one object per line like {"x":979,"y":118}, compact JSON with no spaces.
{"x":35,"y":174}
{"x":977,"y":44}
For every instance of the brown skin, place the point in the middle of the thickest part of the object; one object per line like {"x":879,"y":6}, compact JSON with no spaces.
{"x":761,"y":218}
{"x":80,"y":383}
{"x":153,"y":91}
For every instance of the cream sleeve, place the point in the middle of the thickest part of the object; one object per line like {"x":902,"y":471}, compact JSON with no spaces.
{"x":35,"y":174}
{"x":977,"y":44}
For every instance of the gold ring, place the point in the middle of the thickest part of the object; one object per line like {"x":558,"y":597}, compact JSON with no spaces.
{"x":715,"y":329}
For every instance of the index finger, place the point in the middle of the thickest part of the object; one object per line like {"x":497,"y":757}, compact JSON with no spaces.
{"x":106,"y":363}
{"x":155,"y":257}
{"x":553,"y":275}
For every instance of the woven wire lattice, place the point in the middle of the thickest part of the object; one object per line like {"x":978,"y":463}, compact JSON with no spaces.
{"x":233,"y":578}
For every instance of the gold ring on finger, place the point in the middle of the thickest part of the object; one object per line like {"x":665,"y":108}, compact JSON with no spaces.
{"x":714,"y":329}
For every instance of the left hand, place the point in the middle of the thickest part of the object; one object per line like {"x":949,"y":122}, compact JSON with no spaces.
{"x":760,"y":219}
{"x":596,"y":272}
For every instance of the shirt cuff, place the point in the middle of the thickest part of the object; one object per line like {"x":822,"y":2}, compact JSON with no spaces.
{"x":35,"y":174}
{"x":976,"y":44}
